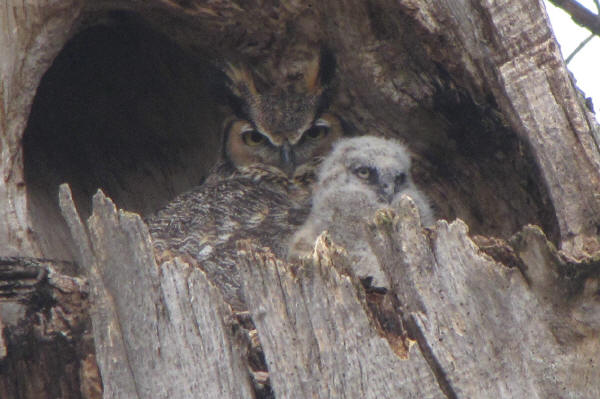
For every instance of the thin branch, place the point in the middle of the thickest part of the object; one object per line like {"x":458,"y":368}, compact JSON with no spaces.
{"x":581,"y":15}
{"x":578,"y":48}
{"x":597,"y":2}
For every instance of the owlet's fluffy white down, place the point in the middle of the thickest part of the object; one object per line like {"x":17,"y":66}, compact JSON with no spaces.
{"x":359,"y":177}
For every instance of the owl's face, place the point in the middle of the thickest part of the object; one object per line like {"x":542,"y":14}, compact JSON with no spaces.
{"x":368,"y":165}
{"x":251,"y":142}
{"x":283,"y":126}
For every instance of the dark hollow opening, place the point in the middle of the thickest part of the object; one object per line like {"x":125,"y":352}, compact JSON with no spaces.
{"x":123,"y":109}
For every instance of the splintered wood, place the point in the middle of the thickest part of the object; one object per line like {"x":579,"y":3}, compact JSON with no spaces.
{"x":501,"y":140}
{"x":317,"y":335}
{"x":159,"y":333}
{"x":480,"y":329}
{"x":473,"y":327}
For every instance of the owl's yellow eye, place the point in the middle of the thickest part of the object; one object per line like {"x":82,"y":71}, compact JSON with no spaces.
{"x":363,"y":172}
{"x":316,"y":132}
{"x":253,"y":138}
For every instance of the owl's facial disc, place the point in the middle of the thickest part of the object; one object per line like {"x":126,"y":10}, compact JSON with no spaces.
{"x":262,"y":149}
{"x":386,"y":184}
{"x":288,"y":150}
{"x":300,"y":148}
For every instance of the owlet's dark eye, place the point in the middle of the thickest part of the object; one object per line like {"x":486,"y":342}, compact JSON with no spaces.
{"x":399,"y":181}
{"x":253,"y":138}
{"x":316,"y":132}
{"x":363,"y":172}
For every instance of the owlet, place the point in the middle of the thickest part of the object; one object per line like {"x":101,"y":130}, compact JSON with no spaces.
{"x":359,"y":177}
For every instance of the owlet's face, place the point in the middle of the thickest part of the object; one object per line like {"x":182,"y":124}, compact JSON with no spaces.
{"x":370,"y":165}
{"x":281,"y":127}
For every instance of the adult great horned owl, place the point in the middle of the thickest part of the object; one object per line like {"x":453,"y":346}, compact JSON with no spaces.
{"x":359,"y":177}
{"x":261,"y":189}
{"x":286,"y":127}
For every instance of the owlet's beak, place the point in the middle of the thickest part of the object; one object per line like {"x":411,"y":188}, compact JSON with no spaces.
{"x":288,"y":162}
{"x":386,"y":189}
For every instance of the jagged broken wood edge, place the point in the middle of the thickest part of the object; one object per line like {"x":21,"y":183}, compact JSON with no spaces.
{"x":158,"y":332}
{"x":494,"y":53}
{"x":478,"y":317}
{"x":317,"y":335}
{"x":500,"y":13}
{"x":483,"y":328}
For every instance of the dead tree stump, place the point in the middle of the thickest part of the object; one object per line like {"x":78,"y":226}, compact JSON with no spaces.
{"x":499,"y":299}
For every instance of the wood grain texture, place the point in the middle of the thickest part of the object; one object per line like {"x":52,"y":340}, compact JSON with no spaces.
{"x":478,"y":91}
{"x":31,"y":35}
{"x":508,"y":49}
{"x":158,"y":334}
{"x":501,"y":140}
{"x":319,"y":340}
{"x":44,"y":331}
{"x":482,"y":318}
{"x":478,"y":328}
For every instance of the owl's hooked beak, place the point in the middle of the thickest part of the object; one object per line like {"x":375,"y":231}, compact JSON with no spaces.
{"x":288,"y":163}
{"x":386,"y":191}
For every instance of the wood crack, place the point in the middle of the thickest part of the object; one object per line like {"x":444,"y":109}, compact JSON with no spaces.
{"x":440,"y":376}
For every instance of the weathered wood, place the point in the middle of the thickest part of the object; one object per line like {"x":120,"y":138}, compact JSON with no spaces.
{"x":479,"y":92}
{"x":478,"y":317}
{"x":481,"y":329}
{"x":484,"y":52}
{"x":44,"y":332}
{"x":159,"y":333}
{"x":521,"y":65}
{"x":318,"y":337}
{"x":118,"y":379}
{"x":31,"y":34}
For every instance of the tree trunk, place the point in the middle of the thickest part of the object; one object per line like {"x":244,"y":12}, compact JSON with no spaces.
{"x":498,"y":299}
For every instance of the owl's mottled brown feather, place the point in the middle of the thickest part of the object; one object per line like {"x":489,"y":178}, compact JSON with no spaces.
{"x":261,"y":189}
{"x":203,"y":225}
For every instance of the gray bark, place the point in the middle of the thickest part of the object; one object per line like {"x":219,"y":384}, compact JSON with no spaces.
{"x":319,"y":337}
{"x":499,"y":299}
{"x":154,"y":331}
{"x":482,"y":329}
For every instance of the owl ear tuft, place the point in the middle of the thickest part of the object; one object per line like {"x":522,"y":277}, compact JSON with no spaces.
{"x":312,"y":76}
{"x":319,"y":74}
{"x":242,"y":82}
